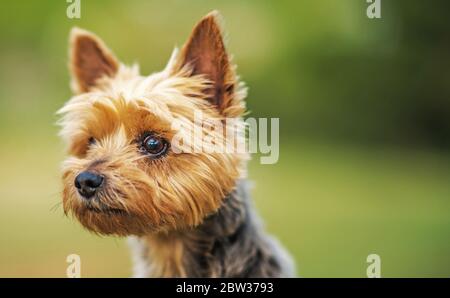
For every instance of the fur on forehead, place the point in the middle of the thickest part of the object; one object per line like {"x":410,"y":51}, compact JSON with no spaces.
{"x":163,"y":96}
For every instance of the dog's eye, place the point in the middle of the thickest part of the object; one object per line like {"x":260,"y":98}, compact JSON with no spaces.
{"x":154,"y":145}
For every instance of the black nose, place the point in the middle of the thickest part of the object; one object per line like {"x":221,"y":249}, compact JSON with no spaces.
{"x":87,"y":183}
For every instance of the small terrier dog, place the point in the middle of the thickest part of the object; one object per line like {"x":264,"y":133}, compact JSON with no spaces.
{"x":186,"y":214}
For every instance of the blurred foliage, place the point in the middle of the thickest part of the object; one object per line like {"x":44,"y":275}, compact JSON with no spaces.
{"x":364,"y":108}
{"x":321,"y":66}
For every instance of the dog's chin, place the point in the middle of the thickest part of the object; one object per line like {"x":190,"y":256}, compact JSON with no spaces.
{"x":112,"y":221}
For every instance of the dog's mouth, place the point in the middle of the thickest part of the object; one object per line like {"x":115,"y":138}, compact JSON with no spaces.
{"x":107,"y":210}
{"x":96,"y":205}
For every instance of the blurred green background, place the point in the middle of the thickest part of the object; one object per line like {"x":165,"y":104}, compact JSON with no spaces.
{"x":364,"y":108}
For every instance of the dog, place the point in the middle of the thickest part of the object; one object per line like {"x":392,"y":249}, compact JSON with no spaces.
{"x":186,"y":214}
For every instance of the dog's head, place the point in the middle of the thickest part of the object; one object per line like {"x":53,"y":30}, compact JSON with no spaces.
{"x":125,"y":174}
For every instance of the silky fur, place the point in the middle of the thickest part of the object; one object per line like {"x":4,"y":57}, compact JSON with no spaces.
{"x":167,"y":204}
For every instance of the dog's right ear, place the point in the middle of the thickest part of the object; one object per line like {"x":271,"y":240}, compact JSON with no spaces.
{"x":90,"y":60}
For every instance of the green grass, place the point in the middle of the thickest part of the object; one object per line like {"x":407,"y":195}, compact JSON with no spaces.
{"x":331,"y":206}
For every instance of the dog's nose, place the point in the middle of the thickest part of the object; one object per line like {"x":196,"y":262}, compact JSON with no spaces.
{"x":87,"y":183}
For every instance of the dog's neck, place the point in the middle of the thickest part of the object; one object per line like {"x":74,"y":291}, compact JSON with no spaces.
{"x":229,"y":243}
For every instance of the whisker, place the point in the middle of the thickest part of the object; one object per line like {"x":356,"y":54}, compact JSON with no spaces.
{"x":55,"y":207}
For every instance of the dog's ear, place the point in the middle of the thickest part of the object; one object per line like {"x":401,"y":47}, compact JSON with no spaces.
{"x":205,"y":54}
{"x":90,"y":60}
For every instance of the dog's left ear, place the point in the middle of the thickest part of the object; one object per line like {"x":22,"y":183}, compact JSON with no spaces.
{"x":205,"y":54}
{"x":90,"y":60}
